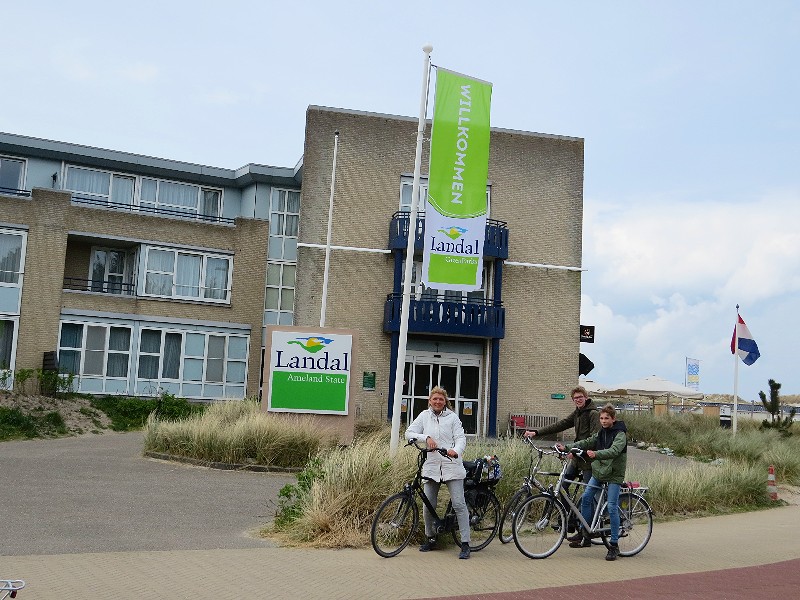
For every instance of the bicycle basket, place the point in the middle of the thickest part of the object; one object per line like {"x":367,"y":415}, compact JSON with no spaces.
{"x":484,"y":470}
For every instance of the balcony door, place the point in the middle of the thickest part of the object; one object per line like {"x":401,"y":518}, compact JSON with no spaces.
{"x":419,"y":291}
{"x":459,"y":374}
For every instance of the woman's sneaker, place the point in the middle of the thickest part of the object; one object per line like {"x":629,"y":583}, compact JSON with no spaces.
{"x":428,"y":545}
{"x":464,"y":550}
{"x":613,"y":552}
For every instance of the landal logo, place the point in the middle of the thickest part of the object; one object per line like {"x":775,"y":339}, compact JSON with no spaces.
{"x":311,"y":344}
{"x":454,"y":232}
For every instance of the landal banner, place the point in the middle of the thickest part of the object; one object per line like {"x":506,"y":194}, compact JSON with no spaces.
{"x":455,"y":217}
{"x":309,"y":370}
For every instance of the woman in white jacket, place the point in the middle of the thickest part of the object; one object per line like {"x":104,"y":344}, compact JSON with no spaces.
{"x":442,"y":428}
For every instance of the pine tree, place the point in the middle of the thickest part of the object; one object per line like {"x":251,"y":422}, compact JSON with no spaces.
{"x":774,"y":408}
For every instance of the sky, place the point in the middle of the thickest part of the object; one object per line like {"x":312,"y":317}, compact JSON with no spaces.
{"x":689,"y":111}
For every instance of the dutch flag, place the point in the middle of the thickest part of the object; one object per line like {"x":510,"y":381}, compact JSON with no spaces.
{"x":747,"y":348}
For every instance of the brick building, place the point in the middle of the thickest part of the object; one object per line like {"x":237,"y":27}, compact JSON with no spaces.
{"x":146,"y":274}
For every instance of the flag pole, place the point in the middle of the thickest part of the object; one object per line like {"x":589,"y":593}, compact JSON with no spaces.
{"x":399,"y":371}
{"x":324,"y":307}
{"x":735,"y":371}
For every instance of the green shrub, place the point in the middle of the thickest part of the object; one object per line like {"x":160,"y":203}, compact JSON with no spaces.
{"x":14,"y":424}
{"x":127,"y":414}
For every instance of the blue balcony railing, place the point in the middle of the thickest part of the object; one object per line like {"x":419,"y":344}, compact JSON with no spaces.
{"x":496,"y":244}
{"x":485,"y":319}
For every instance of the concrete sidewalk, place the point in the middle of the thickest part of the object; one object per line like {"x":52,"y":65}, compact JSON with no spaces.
{"x":89,"y":517}
{"x":691,"y":546}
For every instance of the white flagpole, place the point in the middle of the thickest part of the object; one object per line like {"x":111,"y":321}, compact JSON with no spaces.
{"x":400,"y":366}
{"x":324,"y":308}
{"x":735,"y":371}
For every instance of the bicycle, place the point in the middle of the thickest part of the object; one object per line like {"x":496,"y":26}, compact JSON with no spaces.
{"x":539,"y":523}
{"x":397,"y":518}
{"x":530,"y":485}
{"x":10,"y":587}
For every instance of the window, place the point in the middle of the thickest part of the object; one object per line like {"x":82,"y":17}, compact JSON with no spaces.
{"x":153,"y":364}
{"x":282,"y":257}
{"x":149,"y":194}
{"x":6,"y":345}
{"x":12,"y":173}
{"x":420,"y":291}
{"x":11,"y":247}
{"x":182,"y":274}
{"x":279,"y":299}
{"x":407,"y":187}
{"x":108,"y":272}
{"x":94,"y":350}
{"x":193,"y":364}
{"x":283,"y":224}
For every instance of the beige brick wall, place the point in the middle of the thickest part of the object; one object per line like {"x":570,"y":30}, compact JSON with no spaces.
{"x":50,"y":217}
{"x":537,"y":187}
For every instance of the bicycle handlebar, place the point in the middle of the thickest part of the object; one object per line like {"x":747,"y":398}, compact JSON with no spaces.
{"x":413,"y":442}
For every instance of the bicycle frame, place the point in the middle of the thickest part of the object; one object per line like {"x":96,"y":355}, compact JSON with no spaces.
{"x":573,"y":508}
{"x":416,"y":486}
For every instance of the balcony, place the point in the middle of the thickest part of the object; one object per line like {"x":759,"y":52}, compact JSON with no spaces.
{"x":99,"y":286}
{"x":495,"y":246}
{"x":15,"y":192}
{"x":153,"y":210}
{"x":486,"y":319}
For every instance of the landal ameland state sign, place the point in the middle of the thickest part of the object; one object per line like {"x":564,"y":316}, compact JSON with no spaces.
{"x":309,"y":370}
{"x":455,"y":217}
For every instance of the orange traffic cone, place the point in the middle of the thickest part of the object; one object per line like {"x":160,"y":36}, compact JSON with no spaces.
{"x":772,"y":489}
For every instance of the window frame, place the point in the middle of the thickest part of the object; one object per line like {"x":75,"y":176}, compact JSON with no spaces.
{"x":202,"y":287}
{"x":147,"y":206}
{"x":23,"y":172}
{"x":20,"y":273}
{"x":408,"y":181}
{"x":107,"y":351}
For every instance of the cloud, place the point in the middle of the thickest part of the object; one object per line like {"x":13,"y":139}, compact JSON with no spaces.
{"x":140,"y":73}
{"x":664,"y":279}
{"x":749,"y":251}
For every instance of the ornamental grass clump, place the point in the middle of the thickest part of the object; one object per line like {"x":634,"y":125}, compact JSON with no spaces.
{"x":238,"y":432}
{"x":333,"y":504}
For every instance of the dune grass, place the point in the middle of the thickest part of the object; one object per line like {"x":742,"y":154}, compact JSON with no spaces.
{"x":339,"y":488}
{"x":238,"y":432}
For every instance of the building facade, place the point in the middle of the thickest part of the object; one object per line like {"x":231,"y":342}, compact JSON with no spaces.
{"x":143,"y":275}
{"x":506,"y":348}
{"x":148,"y":275}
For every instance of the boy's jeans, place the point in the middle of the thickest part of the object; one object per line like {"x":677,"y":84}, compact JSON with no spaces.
{"x":587,"y":505}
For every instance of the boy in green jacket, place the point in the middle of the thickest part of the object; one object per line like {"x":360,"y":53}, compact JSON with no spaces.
{"x":608,"y":449}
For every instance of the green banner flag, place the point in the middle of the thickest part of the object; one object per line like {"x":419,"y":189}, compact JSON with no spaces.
{"x":455,"y":218}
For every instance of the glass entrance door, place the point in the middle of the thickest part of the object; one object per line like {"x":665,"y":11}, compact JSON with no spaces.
{"x":458,"y":374}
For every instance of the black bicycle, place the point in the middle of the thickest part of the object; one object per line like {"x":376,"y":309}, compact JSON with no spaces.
{"x":397,"y":519}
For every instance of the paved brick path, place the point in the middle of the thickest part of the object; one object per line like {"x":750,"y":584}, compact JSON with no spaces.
{"x":752,"y":555}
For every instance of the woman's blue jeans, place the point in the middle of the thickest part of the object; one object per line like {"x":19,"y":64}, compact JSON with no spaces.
{"x":587,"y":505}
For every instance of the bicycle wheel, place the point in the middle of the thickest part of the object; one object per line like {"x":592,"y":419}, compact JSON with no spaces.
{"x":539,"y":526}
{"x":484,"y":518}
{"x":394,"y":524}
{"x":635,"y":524}
{"x":506,"y":522}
